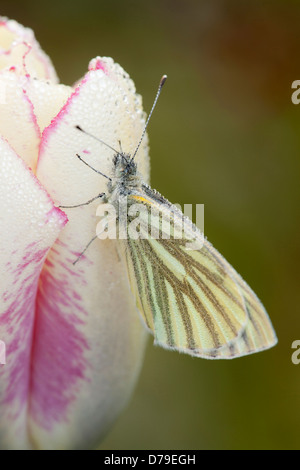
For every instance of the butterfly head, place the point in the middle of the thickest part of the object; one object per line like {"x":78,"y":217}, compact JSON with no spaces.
{"x":124,"y":166}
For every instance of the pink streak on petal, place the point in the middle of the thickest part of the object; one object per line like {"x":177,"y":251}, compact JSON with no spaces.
{"x":55,"y":122}
{"x":59,"y":213}
{"x":32,"y":114}
{"x":20,"y":314}
{"x":30,"y":232}
{"x":58,"y":359}
{"x":98,"y":64}
{"x":29,"y":48}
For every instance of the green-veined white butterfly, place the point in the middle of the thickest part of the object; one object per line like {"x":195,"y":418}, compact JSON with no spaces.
{"x":191,"y":300}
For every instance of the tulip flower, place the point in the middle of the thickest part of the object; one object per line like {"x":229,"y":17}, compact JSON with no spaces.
{"x":72,"y":338}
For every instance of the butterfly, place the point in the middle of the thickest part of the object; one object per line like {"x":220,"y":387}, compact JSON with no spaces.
{"x":189,"y":297}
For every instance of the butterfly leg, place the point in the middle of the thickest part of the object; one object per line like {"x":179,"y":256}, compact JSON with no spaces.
{"x":82,"y":253}
{"x":89,"y":243}
{"x":84,"y":203}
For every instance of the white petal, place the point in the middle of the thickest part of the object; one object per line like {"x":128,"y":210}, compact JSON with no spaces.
{"x":29,"y":226}
{"x":90,"y":348}
{"x":20,"y":51}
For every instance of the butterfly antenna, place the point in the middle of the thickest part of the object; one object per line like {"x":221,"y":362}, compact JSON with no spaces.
{"x":161,"y":83}
{"x":96,"y":138}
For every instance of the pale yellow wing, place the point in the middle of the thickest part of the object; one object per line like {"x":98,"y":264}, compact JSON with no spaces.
{"x":192,"y":301}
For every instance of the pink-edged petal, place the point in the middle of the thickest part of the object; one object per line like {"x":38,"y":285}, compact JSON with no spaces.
{"x":29,"y":226}
{"x":89,"y":338}
{"x":47,"y":99}
{"x":19,"y":50}
{"x":27,"y":106}
{"x":18,"y":122}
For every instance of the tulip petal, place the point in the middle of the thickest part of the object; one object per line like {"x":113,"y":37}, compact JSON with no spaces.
{"x":89,"y":338}
{"x":46,"y":99}
{"x":27,"y":106}
{"x":17,"y":118}
{"x":20,"y":51}
{"x":29,"y":226}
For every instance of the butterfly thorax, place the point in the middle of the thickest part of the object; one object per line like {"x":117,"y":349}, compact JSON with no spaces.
{"x":125,"y":177}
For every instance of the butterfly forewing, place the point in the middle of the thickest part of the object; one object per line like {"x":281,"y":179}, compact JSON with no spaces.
{"x":191,"y":300}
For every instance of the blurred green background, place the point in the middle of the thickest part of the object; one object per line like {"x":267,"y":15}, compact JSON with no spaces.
{"x":226,"y":134}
